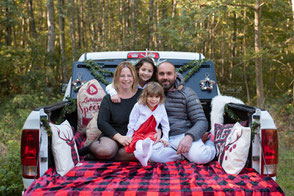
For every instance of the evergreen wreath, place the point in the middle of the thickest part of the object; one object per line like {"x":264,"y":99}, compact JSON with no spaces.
{"x":98,"y":72}
{"x":45,"y":123}
{"x":69,"y":108}
{"x":193,"y":65}
{"x":228,"y":112}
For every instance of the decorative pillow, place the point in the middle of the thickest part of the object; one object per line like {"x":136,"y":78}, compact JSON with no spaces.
{"x":222,"y":131}
{"x":88,"y":103}
{"x":64,"y":148}
{"x":233,"y":148}
{"x":92,"y":131}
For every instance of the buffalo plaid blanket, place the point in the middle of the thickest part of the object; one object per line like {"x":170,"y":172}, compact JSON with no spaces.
{"x":173,"y":178}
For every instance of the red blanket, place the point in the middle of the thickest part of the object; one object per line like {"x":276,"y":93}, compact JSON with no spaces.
{"x":173,"y":178}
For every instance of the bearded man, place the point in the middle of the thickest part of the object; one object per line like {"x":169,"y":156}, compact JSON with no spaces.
{"x":187,"y":122}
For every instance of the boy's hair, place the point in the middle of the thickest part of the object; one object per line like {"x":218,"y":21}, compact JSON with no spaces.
{"x":152,"y":88}
{"x":139,"y":64}
{"x":124,"y":64}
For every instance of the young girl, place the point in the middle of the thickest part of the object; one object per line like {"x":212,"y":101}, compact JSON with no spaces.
{"x":146,"y":72}
{"x":144,"y":119}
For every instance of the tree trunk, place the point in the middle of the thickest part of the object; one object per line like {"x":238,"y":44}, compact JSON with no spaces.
{"x":245,"y":64}
{"x":109,"y":22}
{"x":62,"y":40}
{"x":212,"y":37}
{"x":120,"y":23}
{"x":233,"y":45}
{"x":149,"y":27}
{"x":93,"y":34}
{"x":258,"y":59}
{"x":51,"y":27}
{"x":293,"y":13}
{"x":32,"y":18}
{"x":79,"y":30}
{"x":157,"y":40}
{"x":7,"y":24}
{"x":33,"y":32}
{"x":174,"y":8}
{"x":84,"y":37}
{"x":71,"y":16}
{"x":106,"y":19}
{"x":134,"y":7}
{"x":24,"y":27}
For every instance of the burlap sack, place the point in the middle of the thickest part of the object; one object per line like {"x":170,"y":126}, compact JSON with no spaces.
{"x":92,"y":131}
{"x":88,"y":103}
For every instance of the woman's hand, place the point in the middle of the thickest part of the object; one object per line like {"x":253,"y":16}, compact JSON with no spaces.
{"x":123,"y":140}
{"x":165,"y":143}
{"x":157,"y":136}
{"x":115,"y":98}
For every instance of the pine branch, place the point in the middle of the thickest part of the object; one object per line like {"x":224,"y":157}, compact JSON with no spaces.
{"x":96,"y":70}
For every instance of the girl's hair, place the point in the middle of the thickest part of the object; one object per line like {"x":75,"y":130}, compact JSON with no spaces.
{"x":124,"y":64}
{"x":139,"y":64}
{"x":152,"y":88}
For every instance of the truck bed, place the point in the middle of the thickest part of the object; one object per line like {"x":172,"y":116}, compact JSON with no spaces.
{"x":179,"y":178}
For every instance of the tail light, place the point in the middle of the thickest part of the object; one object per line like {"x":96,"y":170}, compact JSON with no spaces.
{"x":29,"y":153}
{"x":269,"y":142}
{"x":137,"y":55}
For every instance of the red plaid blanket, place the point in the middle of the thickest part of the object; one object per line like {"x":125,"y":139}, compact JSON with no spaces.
{"x":173,"y":178}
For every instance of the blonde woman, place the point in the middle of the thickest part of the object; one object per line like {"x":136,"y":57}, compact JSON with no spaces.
{"x":113,"y":118}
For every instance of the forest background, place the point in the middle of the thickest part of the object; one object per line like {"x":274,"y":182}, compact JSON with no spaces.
{"x":250,"y":41}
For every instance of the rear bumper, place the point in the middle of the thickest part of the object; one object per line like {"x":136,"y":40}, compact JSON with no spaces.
{"x":27,"y":182}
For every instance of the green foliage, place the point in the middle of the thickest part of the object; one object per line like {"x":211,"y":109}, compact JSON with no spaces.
{"x":69,"y":108}
{"x":98,"y":72}
{"x":14,"y":111}
{"x":22,"y":70}
{"x":285,"y":176}
{"x":10,"y":170}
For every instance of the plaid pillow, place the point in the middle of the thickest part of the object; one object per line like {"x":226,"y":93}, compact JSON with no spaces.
{"x":222,"y":131}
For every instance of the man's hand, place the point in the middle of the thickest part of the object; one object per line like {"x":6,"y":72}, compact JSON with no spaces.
{"x":123,"y":140}
{"x":157,"y":136}
{"x":115,"y":98}
{"x":185,"y":144}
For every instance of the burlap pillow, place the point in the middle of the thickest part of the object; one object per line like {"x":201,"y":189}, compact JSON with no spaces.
{"x":88,"y":102}
{"x":92,"y":131}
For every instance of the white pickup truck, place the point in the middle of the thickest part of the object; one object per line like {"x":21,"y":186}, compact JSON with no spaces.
{"x":36,"y":156}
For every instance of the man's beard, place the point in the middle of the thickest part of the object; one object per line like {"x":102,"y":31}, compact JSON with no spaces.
{"x":168,"y":85}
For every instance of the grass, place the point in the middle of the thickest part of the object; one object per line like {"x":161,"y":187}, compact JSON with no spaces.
{"x":285,"y":176}
{"x":14,"y":112}
{"x":283,"y":114}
